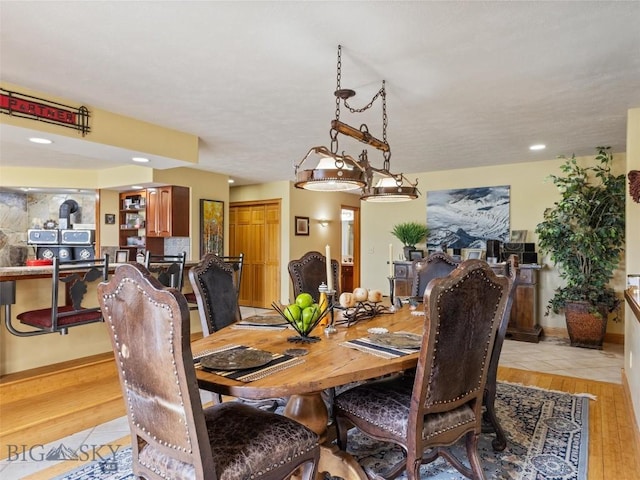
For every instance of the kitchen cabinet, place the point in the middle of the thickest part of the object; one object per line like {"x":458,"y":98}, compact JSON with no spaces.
{"x":167,"y":212}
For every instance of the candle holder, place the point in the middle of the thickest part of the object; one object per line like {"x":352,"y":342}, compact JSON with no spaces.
{"x":392,"y":285}
{"x":330,"y":295}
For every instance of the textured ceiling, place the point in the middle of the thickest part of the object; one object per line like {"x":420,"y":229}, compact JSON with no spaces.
{"x":468,"y":83}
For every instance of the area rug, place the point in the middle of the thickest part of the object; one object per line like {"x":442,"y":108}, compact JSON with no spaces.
{"x":546,"y":432}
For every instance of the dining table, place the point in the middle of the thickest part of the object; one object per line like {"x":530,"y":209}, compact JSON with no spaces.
{"x":351,"y":353}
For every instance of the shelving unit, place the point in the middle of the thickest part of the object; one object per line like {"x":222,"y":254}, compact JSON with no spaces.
{"x":132,"y":222}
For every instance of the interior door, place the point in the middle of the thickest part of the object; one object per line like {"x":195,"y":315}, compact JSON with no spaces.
{"x":255,"y":231}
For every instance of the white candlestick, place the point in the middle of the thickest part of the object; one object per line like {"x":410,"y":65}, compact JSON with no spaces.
{"x":328,"y":263}
{"x":391,"y":260}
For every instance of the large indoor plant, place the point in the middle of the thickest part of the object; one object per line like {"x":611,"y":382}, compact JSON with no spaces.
{"x":584,"y":235}
{"x":410,"y":234}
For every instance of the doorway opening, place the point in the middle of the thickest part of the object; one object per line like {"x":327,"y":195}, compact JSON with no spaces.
{"x":350,"y":248}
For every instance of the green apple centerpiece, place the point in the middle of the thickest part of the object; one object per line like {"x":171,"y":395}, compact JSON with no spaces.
{"x":303,"y":316}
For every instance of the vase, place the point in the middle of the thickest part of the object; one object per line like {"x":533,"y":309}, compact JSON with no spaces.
{"x":586,"y":329}
{"x":407,"y":252}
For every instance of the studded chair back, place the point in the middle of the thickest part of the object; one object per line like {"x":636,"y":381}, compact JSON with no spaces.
{"x":438,"y":264}
{"x":308,"y":272}
{"x":172,"y":435}
{"x":212,"y":281}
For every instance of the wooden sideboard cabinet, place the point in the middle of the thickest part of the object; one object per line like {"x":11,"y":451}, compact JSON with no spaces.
{"x":523,"y":322}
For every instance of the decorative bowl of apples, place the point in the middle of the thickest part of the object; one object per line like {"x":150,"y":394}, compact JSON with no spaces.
{"x":303,"y":315}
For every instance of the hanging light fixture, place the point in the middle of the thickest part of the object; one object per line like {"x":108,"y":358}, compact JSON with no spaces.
{"x":341,"y":172}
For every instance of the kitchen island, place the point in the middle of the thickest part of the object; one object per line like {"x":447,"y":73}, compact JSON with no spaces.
{"x":32,"y":291}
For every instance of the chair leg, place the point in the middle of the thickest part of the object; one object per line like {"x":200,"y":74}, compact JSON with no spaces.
{"x":500,"y":442}
{"x":474,"y":458}
{"x":342,"y":427}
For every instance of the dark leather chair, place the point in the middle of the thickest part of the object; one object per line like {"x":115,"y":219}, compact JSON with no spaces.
{"x":169,"y":269}
{"x":308,"y":272}
{"x":236,"y":262}
{"x":438,"y":264}
{"x":171,"y":434}
{"x":500,"y":442}
{"x":216,"y":294}
{"x":74,"y":279}
{"x":442,"y":403}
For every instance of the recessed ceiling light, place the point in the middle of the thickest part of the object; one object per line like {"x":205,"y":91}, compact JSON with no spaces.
{"x":231,"y":180}
{"x":43,"y":141}
{"x":538,"y":146}
{"x":140,"y":159}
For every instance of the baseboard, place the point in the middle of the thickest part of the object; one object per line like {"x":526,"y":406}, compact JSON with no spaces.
{"x":627,"y":395}
{"x":617,"y":338}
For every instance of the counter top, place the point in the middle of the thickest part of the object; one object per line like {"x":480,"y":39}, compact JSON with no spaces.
{"x":633,"y":299}
{"x":26,"y":273}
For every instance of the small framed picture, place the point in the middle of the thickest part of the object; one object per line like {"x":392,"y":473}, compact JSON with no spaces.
{"x":416,"y":254}
{"x":470,"y":253}
{"x":109,"y":219}
{"x":518,"y":236}
{"x":122,"y":256}
{"x":302,"y":225}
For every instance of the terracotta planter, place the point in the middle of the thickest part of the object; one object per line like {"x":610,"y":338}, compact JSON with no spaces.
{"x":585,"y":328}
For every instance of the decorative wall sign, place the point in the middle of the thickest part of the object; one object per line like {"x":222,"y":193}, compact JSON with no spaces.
{"x":211,"y":227}
{"x":302,"y":225}
{"x":25,"y":106}
{"x":467,"y":217}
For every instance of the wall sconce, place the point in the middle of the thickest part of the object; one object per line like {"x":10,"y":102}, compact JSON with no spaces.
{"x":323,"y":223}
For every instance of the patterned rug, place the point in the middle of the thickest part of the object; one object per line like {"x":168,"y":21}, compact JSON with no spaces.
{"x":547,"y":439}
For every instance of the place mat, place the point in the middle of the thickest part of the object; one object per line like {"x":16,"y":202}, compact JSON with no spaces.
{"x":279,"y":362}
{"x":364,"y":345}
{"x":396,"y":340}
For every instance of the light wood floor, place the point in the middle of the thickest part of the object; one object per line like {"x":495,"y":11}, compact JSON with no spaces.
{"x":614,"y":446}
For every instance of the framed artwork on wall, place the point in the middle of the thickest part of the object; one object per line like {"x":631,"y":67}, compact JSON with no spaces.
{"x":302,"y":225}
{"x":469,"y":253}
{"x":211,"y":227}
{"x":122,"y":256}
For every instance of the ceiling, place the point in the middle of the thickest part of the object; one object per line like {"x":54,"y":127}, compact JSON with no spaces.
{"x":468,"y":83}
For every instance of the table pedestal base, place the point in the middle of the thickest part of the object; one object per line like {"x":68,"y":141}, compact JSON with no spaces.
{"x":310,"y":410}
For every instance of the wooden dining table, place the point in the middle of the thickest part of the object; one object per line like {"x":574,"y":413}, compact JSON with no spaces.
{"x":327,"y":364}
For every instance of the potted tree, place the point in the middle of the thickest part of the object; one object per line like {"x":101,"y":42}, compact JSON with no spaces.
{"x":584,"y":234}
{"x":410,"y":234}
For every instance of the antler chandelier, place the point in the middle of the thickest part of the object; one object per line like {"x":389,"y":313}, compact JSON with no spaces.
{"x":341,"y":172}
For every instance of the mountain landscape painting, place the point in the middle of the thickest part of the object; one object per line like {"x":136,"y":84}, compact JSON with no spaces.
{"x":467,"y":217}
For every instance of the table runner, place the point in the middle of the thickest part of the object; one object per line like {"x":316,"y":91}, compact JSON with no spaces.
{"x":280,"y":362}
{"x":364,"y":345}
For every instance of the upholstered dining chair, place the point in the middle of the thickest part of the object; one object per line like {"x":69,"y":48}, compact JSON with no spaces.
{"x":309,"y":271}
{"x":442,"y":402}
{"x":172,"y":436}
{"x":500,"y":442}
{"x":212,"y":281}
{"x":236,"y":262}
{"x":71,"y":280}
{"x":169,"y":269}
{"x":437,"y":264}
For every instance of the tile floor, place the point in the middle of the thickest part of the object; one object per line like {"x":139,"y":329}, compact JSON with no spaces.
{"x":551,"y":355}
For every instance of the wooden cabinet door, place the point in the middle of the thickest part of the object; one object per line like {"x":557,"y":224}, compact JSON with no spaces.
{"x":168,"y":212}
